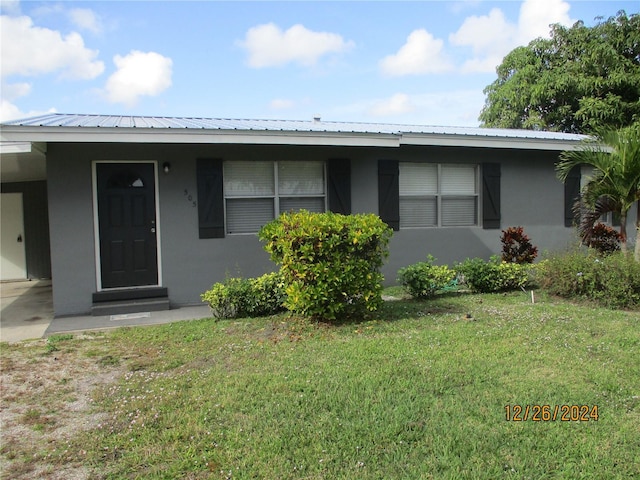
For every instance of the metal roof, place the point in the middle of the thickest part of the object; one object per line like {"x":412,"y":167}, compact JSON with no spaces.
{"x":122,"y":121}
{"x":315,"y":131}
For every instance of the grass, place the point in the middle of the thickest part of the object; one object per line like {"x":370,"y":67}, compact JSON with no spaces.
{"x":54,"y":341}
{"x":418,"y":392}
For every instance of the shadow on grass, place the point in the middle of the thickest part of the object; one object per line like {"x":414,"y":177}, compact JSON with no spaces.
{"x":397,"y":306}
{"x":395,"y":309}
{"x":448,"y":302}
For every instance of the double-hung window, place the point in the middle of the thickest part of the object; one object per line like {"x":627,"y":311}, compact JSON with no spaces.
{"x":258,"y":191}
{"x":438,"y":195}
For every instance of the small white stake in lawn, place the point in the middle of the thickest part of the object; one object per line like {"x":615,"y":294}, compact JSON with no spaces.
{"x":533,"y":300}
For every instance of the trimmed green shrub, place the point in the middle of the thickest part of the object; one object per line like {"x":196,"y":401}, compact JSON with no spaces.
{"x":494,"y":275}
{"x":242,"y":297}
{"x":517,"y":247}
{"x":227,"y":299}
{"x":423,"y":279}
{"x":612,"y":280}
{"x":329,"y":262}
{"x":267,"y":295}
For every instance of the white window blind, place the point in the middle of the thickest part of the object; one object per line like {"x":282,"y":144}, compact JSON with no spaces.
{"x":418,"y":179}
{"x":458,"y":179}
{"x":242,"y":179}
{"x":312,"y":204}
{"x":438,"y":195}
{"x":459,"y":211}
{"x":301,"y":178}
{"x":248,"y":215}
{"x":255,"y":191}
{"x":418,"y":211}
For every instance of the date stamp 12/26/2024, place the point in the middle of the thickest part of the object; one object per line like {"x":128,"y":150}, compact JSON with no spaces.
{"x":551,"y":413}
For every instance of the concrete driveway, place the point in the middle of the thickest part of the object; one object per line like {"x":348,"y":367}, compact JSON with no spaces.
{"x":27,"y":313}
{"x":26,"y":309}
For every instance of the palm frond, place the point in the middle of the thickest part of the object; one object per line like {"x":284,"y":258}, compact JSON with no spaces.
{"x":614,"y":156}
{"x":590,"y":215}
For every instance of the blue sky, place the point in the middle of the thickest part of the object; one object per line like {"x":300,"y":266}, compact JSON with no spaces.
{"x":420,"y":62}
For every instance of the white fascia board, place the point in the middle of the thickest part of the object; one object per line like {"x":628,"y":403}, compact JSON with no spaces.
{"x":14,"y":147}
{"x":155,"y":135}
{"x":519,"y":143}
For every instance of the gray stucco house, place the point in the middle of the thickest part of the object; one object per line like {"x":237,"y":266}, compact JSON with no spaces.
{"x":153,"y":210}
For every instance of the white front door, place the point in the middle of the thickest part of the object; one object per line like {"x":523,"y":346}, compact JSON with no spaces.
{"x":14,"y":263}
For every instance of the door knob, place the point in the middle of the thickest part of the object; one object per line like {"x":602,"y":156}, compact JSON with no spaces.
{"x":153,"y":230}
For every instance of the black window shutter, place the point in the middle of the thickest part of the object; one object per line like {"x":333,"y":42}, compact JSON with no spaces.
{"x":210,"y":198}
{"x":389,"y":193}
{"x":571,"y":195}
{"x":339,"y":185}
{"x":490,"y":195}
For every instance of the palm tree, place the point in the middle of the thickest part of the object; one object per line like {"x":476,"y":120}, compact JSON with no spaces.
{"x":614,"y":186}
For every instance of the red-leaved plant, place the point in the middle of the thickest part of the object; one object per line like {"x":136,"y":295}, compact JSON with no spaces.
{"x":517,"y":247}
{"x":604,"y":239}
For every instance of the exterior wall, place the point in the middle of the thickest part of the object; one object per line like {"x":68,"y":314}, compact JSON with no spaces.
{"x":71,"y":230}
{"x":531,"y":196}
{"x":189,"y":265}
{"x":36,"y":226}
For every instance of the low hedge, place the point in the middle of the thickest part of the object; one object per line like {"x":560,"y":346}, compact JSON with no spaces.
{"x":424,"y":279}
{"x":246,"y":297}
{"x":611,"y":280}
{"x":494,"y":275}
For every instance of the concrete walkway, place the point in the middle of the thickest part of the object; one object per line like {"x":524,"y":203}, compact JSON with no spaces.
{"x":26,"y":309}
{"x":27,"y":313}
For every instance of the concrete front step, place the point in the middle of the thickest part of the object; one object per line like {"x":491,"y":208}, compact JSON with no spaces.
{"x":137,"y":293}
{"x":120,"y":307}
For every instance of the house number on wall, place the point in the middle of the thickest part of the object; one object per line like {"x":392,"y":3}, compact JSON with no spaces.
{"x":189,"y":198}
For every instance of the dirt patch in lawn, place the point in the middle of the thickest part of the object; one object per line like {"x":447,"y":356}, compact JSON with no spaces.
{"x":45,"y":401}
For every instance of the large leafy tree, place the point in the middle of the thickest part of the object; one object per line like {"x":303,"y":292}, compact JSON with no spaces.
{"x":579,"y":80}
{"x":614,"y":185}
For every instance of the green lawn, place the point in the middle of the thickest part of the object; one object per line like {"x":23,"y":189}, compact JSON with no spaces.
{"x":418,"y":392}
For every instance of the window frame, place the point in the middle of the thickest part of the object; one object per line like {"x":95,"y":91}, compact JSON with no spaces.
{"x":276,"y":196}
{"x":439,"y":195}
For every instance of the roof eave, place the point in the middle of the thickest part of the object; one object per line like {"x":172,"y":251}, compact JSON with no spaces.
{"x":157,"y":135}
{"x":520,"y":143}
{"x":19,"y":133}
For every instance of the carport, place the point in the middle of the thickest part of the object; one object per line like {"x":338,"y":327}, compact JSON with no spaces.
{"x":24,"y":246}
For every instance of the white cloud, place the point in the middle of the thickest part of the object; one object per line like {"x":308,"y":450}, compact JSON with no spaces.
{"x":11,"y":91}
{"x":35,"y":50}
{"x":81,"y":18}
{"x":10,"y":7}
{"x":460,"y":6}
{"x":456,"y":107}
{"x":536,"y":16}
{"x":46,"y":9}
{"x":397,"y":104}
{"x":85,"y":19}
{"x":422,"y":53}
{"x":269,"y":46}
{"x":492,"y":36}
{"x":485,"y":32}
{"x":281,"y":104}
{"x":138,"y":74}
{"x":9,"y":111}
